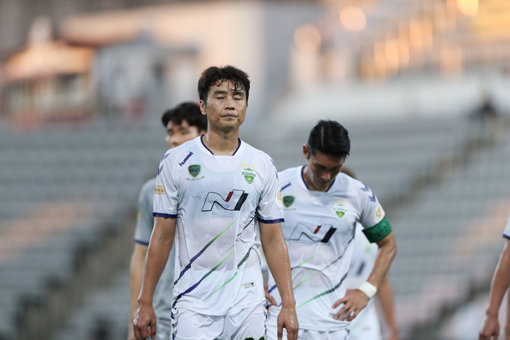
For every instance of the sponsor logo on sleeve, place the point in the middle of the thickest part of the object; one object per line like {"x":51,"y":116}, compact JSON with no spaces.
{"x":278,"y":198}
{"x":379,"y":214}
{"x":160,"y":190}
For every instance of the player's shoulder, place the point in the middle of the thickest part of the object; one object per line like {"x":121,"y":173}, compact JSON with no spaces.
{"x":179,"y":153}
{"x":289,"y":174}
{"x":257,"y":154}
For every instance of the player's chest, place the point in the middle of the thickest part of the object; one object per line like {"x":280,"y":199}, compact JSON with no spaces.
{"x":228,"y":184}
{"x":323,"y":219}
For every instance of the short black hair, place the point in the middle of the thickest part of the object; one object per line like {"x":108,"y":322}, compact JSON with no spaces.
{"x":212,"y":75}
{"x":188,"y":111}
{"x":329,"y":137}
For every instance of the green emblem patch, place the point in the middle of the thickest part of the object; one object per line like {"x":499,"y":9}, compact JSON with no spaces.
{"x":194,"y":170}
{"x":249,"y":175}
{"x":340,"y":208}
{"x":288,"y":200}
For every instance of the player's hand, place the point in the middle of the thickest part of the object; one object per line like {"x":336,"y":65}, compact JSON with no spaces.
{"x":269,"y":298}
{"x":353,"y":302}
{"x":490,"y":328}
{"x":393,"y":335}
{"x":144,"y":323}
{"x":288,"y":319}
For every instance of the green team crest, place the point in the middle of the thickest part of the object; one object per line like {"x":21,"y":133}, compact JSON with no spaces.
{"x":194,"y":170}
{"x":340,"y":208}
{"x":249,"y":175}
{"x":288,"y":200}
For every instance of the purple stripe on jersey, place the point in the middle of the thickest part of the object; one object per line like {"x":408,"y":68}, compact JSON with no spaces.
{"x":285,"y":186}
{"x":237,"y":146}
{"x":164,"y":215}
{"x":202,"y":140}
{"x":278,"y":220}
{"x":506,"y":236}
{"x":160,"y":168}
{"x":141,"y":242}
{"x":367,"y":189}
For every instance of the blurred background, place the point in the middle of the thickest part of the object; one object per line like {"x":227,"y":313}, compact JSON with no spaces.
{"x":422,"y":86}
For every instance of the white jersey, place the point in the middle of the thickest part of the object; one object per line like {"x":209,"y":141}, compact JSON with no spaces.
{"x":217,"y":201}
{"x":506,"y":233}
{"x":366,"y":325}
{"x":319,"y":229}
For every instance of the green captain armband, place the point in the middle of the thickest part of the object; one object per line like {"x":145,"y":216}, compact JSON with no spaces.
{"x":378,"y":231}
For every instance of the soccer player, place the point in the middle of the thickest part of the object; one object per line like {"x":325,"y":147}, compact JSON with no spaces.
{"x":366,"y":326}
{"x":184,"y":122}
{"x":500,"y":283}
{"x":322,"y":207}
{"x":212,"y":193}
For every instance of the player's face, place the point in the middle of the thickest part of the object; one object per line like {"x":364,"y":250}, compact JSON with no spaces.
{"x":321,"y":170}
{"x":226,"y":106}
{"x":180,"y":133}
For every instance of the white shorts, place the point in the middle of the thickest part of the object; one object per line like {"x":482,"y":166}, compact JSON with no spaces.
{"x":366,"y":325}
{"x":247,"y":323}
{"x":307,"y":334}
{"x":163,"y":329}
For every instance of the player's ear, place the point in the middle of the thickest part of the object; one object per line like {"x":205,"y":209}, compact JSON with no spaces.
{"x":203,"y":104}
{"x":306,"y":151}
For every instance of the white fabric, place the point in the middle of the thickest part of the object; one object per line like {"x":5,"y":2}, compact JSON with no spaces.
{"x":217,"y":201}
{"x":307,"y":334}
{"x":247,"y":323}
{"x":506,"y":233}
{"x":319,"y":268}
{"x":366,"y":325}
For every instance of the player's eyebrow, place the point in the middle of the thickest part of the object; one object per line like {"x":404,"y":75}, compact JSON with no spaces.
{"x":326,"y":168}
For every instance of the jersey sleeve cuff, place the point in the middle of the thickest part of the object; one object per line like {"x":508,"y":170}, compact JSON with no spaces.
{"x":278,"y":220}
{"x":143,"y":243}
{"x":506,"y":236}
{"x":156,"y":214}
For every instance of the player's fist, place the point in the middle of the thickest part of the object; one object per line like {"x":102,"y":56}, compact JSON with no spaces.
{"x":490,"y":328}
{"x":144,"y":323}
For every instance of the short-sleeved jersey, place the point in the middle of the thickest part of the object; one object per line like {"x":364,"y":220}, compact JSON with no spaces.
{"x":506,"y":233}
{"x":217,"y":201}
{"x":319,"y":229}
{"x":363,"y":259}
{"x":162,"y":300}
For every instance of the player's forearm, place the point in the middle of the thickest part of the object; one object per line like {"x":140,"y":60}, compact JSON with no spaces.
{"x":157,"y":256}
{"x":500,"y":281}
{"x":385,"y":296}
{"x":277,"y":257}
{"x":385,"y":256}
{"x":136,"y":275}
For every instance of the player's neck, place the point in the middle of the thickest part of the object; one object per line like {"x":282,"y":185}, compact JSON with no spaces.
{"x":222,"y":143}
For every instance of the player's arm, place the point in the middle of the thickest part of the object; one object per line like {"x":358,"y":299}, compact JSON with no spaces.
{"x":499,"y":285}
{"x":277,"y":257}
{"x":385,"y":296}
{"x":157,"y":256}
{"x":356,"y":299}
{"x":136,"y":276}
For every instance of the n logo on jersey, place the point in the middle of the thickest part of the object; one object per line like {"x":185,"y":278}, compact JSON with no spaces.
{"x":249,"y":175}
{"x":308,"y":233}
{"x":194,"y":170}
{"x":288,"y":200}
{"x":234,"y":201}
